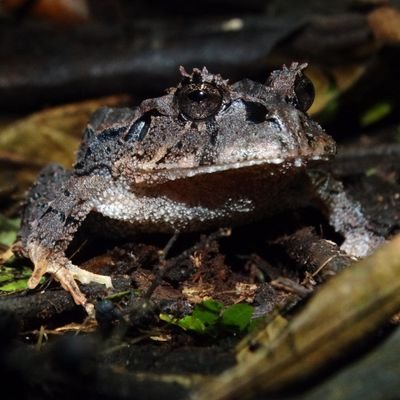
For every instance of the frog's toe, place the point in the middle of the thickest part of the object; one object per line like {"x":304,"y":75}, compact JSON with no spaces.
{"x":39,"y":256}
{"x":45,"y":261}
{"x":87,"y":277}
{"x":67,"y":281}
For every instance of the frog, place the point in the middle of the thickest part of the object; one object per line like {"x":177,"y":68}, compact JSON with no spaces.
{"x":207,"y":153}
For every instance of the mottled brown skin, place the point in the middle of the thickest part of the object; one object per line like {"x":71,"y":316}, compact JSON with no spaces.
{"x":206,"y":154}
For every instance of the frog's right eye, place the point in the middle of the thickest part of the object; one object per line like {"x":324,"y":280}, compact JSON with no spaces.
{"x":304,"y":90}
{"x":199,"y":101}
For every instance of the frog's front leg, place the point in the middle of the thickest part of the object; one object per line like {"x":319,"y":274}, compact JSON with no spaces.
{"x":56,"y":207}
{"x":345,"y":215}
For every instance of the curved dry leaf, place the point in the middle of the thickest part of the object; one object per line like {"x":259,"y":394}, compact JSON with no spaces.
{"x":51,"y":135}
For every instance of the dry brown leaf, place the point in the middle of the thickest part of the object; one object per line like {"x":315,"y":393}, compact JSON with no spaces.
{"x":385,"y":24}
{"x":51,"y":135}
{"x":245,"y":291}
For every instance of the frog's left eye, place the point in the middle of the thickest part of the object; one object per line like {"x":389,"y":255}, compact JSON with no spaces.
{"x":199,"y":101}
{"x":304,"y":90}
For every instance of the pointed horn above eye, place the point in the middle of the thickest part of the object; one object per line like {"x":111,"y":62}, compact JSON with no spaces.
{"x":183,"y":71}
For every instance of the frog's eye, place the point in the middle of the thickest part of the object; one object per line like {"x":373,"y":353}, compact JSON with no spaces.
{"x":304,"y":90}
{"x":199,"y":101}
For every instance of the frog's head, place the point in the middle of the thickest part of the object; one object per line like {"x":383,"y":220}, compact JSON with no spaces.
{"x":205,"y":125}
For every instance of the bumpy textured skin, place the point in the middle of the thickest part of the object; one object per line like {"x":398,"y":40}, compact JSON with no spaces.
{"x":207,"y":153}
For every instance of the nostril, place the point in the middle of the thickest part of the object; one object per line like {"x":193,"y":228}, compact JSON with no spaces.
{"x":256,"y":112}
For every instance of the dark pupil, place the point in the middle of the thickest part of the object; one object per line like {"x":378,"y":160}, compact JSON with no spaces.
{"x":198,"y":95}
{"x":199,"y":101}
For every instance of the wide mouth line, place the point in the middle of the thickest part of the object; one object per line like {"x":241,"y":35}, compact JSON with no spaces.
{"x":296,"y":162}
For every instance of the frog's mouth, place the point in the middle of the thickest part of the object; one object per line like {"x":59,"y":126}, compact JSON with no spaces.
{"x":272,"y":166}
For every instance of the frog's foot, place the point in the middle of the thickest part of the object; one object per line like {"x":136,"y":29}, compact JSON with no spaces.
{"x":64,"y":272}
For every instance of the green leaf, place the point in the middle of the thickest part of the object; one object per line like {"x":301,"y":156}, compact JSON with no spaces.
{"x":212,"y":305}
{"x":5,"y":275}
{"x":187,"y":323}
{"x":237,"y":316}
{"x":208,"y":312}
{"x":376,"y":113}
{"x":211,"y":318}
{"x":192,"y":323}
{"x":19,"y":284}
{"x":8,"y":230}
{"x":14,"y":279}
{"x":168,"y":318}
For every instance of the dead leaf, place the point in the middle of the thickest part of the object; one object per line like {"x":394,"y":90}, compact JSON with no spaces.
{"x":385,"y":24}
{"x":51,"y":135}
